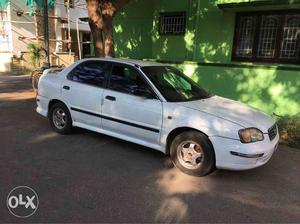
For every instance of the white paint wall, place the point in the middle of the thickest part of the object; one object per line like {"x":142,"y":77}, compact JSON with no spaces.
{"x":76,"y":12}
{"x":6,"y":48}
{"x":79,"y":11}
{"x":25,"y":26}
{"x":11,"y":44}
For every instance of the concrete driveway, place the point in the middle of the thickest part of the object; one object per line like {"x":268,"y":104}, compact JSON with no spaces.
{"x":89,"y":177}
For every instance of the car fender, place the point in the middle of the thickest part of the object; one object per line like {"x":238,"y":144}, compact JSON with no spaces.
{"x":175,"y":116}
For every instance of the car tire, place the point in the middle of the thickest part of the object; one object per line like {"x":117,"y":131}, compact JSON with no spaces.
{"x":192,"y":153}
{"x":60,"y":118}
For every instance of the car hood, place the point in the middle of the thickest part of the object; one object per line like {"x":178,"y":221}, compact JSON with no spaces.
{"x":233,"y":111}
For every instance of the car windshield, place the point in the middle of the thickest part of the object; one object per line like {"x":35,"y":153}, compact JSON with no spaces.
{"x":173,"y":84}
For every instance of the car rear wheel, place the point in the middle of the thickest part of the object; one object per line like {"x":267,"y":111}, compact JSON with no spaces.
{"x":192,"y":153}
{"x":60,"y":118}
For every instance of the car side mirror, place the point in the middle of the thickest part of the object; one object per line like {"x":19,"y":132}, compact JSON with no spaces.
{"x":144,"y":92}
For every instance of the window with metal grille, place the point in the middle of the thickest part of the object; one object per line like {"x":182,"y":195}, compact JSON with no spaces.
{"x":245,"y":36}
{"x":172,"y":23}
{"x":66,"y":2}
{"x":291,"y":38}
{"x":267,"y":37}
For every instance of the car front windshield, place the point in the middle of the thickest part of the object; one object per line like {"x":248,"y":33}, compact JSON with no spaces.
{"x":173,"y":84}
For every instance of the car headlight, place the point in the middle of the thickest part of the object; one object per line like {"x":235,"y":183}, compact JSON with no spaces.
{"x":249,"y":135}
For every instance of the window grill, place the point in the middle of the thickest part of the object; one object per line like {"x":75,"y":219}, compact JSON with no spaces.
{"x":246,"y":36}
{"x":172,"y":23}
{"x":71,"y":3}
{"x":267,"y":36}
{"x":290,"y":48}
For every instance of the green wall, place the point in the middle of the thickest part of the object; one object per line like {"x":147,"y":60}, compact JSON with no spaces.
{"x":204,"y":52}
{"x":133,"y":30}
{"x":269,"y":89}
{"x":165,"y":46}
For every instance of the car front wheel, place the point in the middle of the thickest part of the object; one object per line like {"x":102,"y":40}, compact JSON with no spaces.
{"x":192,"y":153}
{"x":60,"y":118}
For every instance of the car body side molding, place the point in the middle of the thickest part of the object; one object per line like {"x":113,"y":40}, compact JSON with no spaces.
{"x":116,"y":120}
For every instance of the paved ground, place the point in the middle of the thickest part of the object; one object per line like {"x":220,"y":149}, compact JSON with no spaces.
{"x":89,"y":177}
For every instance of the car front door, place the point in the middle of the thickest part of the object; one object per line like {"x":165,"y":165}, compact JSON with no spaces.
{"x":130,"y":107}
{"x":82,"y":90}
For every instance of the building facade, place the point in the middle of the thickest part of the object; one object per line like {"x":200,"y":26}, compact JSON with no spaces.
{"x":19,"y":27}
{"x":247,"y":50}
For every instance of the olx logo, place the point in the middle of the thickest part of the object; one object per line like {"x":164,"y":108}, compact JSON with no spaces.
{"x":22,"y":201}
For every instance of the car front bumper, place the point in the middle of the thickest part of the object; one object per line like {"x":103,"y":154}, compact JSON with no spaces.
{"x":231,"y":154}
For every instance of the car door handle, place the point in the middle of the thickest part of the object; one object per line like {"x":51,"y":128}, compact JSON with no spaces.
{"x":111,"y":98}
{"x":66,"y":87}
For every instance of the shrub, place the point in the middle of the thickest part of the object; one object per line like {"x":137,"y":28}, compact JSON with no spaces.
{"x":35,"y":54}
{"x":289,"y":129}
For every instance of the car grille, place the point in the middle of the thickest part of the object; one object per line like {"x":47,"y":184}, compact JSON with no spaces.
{"x":272,"y":132}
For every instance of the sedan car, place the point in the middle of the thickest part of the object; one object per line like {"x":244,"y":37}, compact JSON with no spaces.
{"x":157,"y":106}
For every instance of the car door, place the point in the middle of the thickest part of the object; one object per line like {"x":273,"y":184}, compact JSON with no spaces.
{"x":82,"y":90}
{"x":130,"y":107}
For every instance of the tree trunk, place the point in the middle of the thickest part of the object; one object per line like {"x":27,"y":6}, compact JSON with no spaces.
{"x":98,"y":40}
{"x":101,"y":13}
{"x":109,"y":37}
{"x":96,"y":25}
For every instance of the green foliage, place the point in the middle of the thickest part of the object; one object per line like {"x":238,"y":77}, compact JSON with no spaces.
{"x":35,"y":54}
{"x":289,"y":129}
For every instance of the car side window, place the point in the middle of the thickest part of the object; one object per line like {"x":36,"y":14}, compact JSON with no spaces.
{"x":89,"y":72}
{"x":126,"y":79}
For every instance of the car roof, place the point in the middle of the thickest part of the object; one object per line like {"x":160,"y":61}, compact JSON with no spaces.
{"x":134,"y":62}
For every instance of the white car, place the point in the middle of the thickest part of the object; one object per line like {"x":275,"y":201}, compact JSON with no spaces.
{"x":157,"y":106}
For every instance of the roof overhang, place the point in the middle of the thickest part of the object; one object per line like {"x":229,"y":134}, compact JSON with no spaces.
{"x":245,"y":4}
